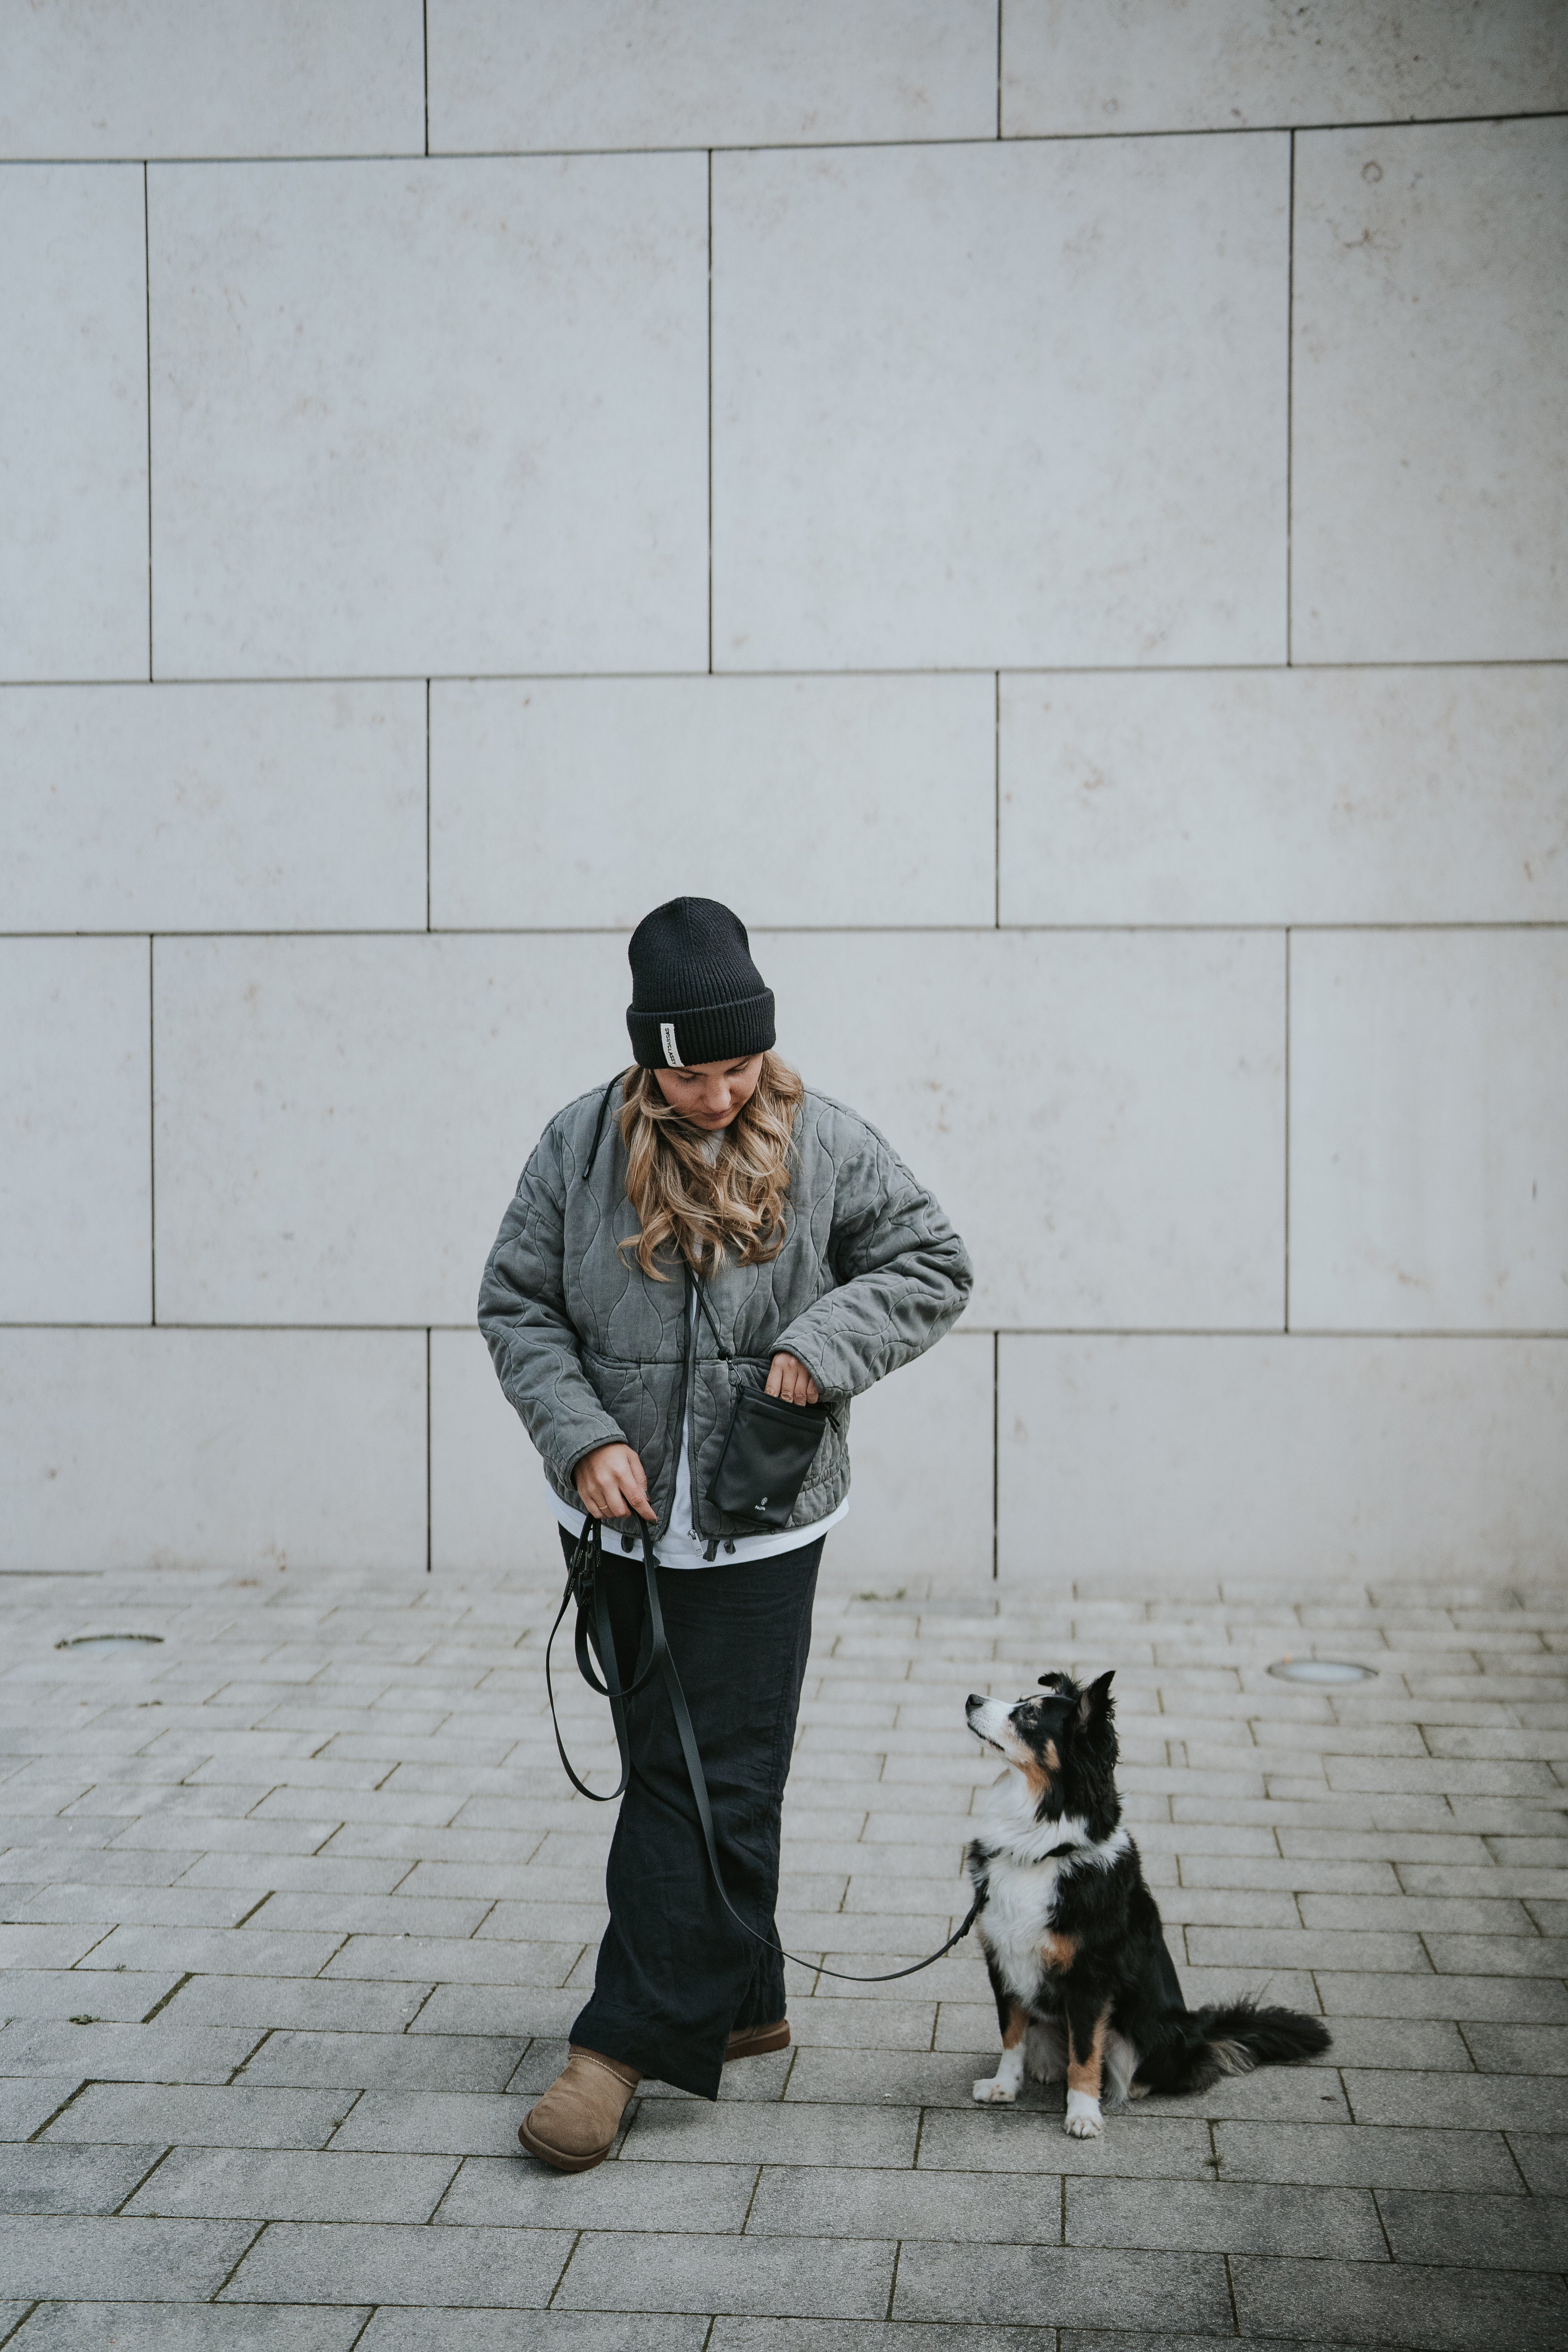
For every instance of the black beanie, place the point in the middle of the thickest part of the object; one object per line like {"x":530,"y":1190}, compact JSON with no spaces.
{"x":696,"y":996}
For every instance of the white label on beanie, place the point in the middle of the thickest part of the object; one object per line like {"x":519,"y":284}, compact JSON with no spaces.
{"x":667,"y":1039}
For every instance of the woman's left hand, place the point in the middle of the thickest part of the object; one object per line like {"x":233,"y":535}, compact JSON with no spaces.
{"x":788,"y":1377}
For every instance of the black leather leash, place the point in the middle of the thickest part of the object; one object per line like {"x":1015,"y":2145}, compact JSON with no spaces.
{"x":584,"y":1584}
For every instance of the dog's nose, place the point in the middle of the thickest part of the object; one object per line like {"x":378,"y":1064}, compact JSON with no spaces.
{"x":972,"y":1701}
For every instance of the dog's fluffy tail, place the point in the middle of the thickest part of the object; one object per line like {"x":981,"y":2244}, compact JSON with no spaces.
{"x":1242,"y":2036}
{"x":1202,"y":2044}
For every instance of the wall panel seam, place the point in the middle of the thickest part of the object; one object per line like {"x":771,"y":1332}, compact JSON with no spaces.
{"x":981,"y":143}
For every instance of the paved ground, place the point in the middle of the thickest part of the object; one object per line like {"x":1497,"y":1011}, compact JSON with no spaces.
{"x":301,"y":1909}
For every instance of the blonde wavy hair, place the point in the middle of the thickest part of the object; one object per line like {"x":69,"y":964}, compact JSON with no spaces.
{"x":699,"y":1208}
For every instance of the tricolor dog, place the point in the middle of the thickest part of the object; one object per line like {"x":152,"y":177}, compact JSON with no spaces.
{"x":1073,"y":1942}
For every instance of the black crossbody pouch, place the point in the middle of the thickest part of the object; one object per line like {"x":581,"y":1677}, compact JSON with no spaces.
{"x":769,"y":1447}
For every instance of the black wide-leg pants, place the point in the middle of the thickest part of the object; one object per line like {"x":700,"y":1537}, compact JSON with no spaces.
{"x":676,"y":1975}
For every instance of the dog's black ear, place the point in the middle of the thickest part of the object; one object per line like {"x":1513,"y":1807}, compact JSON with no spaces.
{"x":1057,"y":1682}
{"x":1095,"y":1700}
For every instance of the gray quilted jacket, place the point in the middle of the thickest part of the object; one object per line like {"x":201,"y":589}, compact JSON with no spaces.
{"x":591,"y":1351}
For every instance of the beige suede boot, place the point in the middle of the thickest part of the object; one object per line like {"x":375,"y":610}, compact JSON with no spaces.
{"x":574,"y":2125}
{"x":755,"y":2040}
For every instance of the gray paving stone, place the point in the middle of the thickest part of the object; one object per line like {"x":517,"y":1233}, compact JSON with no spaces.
{"x":535,"y":2331}
{"x":169,"y":2113}
{"x":234,"y":1951}
{"x":880,"y":2024}
{"x":1136,"y":2144}
{"x":1542,"y":2158}
{"x":47,"y":1947}
{"x":1436,"y":2311}
{"x":149,"y":1906}
{"x":1366,"y":2156}
{"x":1437,"y":1914}
{"x":47,"y":2179}
{"x":303,"y":1873}
{"x":518,"y":2193}
{"x":795,"y":2277}
{"x":454,"y":1960}
{"x":26,"y":2105}
{"x":691,"y":2131}
{"x":1072,"y":2340}
{"x":188,"y":2327}
{"x":90,"y":2257}
{"x":895,"y":2078}
{"x":825,"y":2202}
{"x":124,"y":2053}
{"x":294,"y":2185}
{"x":1463,"y":2101}
{"x":504,"y":2010}
{"x":311,"y":2002}
{"x":1519,"y":2049}
{"x":346,"y":1914}
{"x":1287,"y":2094}
{"x":438,"y":2123}
{"x":1480,"y":2232}
{"x":1070,"y":2285}
{"x":1302,"y":1947}
{"x":1529,"y":1955}
{"x":60,"y":1992}
{"x":887,"y":2335}
{"x":1225,"y":2217}
{"x":1322,"y":1877}
{"x":359,"y":2262}
{"x":1431,"y":2042}
{"x":1529,"y":2000}
{"x":428,"y":2061}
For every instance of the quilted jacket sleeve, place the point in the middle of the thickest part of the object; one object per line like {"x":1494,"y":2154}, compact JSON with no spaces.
{"x":903,"y":1274}
{"x":523,"y":1314}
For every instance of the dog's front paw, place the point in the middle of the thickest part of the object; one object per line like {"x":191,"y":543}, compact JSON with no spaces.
{"x":992,"y":2091}
{"x":1084,"y":2120}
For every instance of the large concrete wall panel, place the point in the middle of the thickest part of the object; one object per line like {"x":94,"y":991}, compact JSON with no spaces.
{"x":430,"y":416}
{"x":1230,"y":65}
{"x":341,"y":1121}
{"x":75,"y":1223}
{"x":856,"y":800}
{"x":564,"y":74}
{"x":1291,"y":1457}
{"x":1430,"y":484}
{"x":1429,"y":1130}
{"x":73,"y":405}
{"x":212,"y":1449}
{"x":213,"y":78}
{"x":993,"y":405}
{"x":1285,"y":796}
{"x":190,"y":808}
{"x":1101,"y":1113}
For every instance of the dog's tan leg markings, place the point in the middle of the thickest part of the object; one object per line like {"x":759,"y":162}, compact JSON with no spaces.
{"x":1085,"y":2072}
{"x":1059,"y":1951}
{"x":999,"y":2090}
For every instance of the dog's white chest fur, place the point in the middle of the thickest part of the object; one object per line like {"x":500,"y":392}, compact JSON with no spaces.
{"x":1020,"y":1907}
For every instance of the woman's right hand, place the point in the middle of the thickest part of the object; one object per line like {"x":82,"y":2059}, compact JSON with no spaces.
{"x":611,"y":1484}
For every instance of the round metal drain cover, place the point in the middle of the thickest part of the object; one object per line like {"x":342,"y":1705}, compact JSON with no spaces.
{"x":104,"y":1640}
{"x":1321,"y":1670}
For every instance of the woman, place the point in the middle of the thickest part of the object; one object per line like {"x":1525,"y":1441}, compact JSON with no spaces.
{"x":709,"y":1178}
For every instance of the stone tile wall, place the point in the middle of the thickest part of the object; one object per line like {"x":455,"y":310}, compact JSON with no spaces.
{"x":1056,"y":513}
